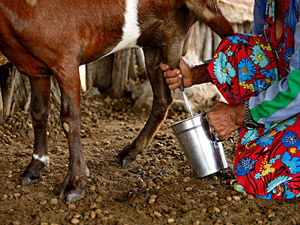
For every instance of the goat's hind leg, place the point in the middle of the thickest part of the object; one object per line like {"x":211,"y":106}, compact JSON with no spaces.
{"x":39,"y":107}
{"x":162,"y":99}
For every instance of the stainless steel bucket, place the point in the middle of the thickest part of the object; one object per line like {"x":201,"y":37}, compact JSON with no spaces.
{"x":202,"y":149}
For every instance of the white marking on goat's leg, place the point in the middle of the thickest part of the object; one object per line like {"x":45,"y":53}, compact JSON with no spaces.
{"x":66,"y":127}
{"x":32,"y":2}
{"x":131,"y":29}
{"x":44,"y":159}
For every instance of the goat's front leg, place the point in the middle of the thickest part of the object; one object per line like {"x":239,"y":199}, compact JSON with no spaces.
{"x":73,"y":186}
{"x":162,"y":99}
{"x":39,"y":107}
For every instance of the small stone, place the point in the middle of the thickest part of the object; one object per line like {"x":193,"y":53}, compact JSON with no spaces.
{"x":228,"y":198}
{"x":98,"y":211}
{"x":92,"y":188}
{"x":4,"y":197}
{"x":75,"y":221}
{"x":151,"y":200}
{"x":217,"y":210}
{"x":43,"y":202}
{"x":50,"y":189}
{"x":171,"y":220}
{"x":93,"y":206}
{"x":93,"y":214}
{"x":99,"y":199}
{"x":77,"y":216}
{"x":268,"y":212}
{"x":72,"y":206}
{"x":224,"y":213}
{"x":157,"y":214}
{"x":271,"y":215}
{"x":16,"y":195}
{"x":187,"y":179}
{"x":53,"y":201}
{"x":236,"y":198}
{"x":250,"y":197}
{"x":15,"y":222}
{"x":214,"y":177}
{"x":189,"y":189}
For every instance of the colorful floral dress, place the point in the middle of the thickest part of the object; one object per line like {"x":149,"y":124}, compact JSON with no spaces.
{"x":267,"y":159}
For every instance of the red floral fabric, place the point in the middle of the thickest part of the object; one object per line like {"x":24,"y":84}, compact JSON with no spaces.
{"x":267,"y":159}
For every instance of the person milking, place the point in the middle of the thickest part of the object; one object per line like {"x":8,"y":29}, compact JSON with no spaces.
{"x":259,"y":76}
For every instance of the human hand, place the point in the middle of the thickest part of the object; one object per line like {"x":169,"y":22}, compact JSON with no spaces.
{"x":174,"y":77}
{"x":225,"y":118}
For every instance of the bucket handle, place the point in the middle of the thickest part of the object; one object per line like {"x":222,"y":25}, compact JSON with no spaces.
{"x":212,"y":136}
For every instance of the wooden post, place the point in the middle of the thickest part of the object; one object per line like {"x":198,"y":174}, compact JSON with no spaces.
{"x":1,"y":104}
{"x":201,"y":39}
{"x":140,"y":61}
{"x":98,"y":73}
{"x":9,"y":90}
{"x":132,"y":73}
{"x":208,"y":45}
{"x":120,"y":73}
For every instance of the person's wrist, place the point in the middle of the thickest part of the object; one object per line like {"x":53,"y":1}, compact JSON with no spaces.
{"x":249,"y":123}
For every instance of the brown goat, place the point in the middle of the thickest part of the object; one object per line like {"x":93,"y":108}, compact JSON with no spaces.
{"x":53,"y":37}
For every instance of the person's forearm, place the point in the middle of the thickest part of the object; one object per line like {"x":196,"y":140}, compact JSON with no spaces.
{"x":200,"y":74}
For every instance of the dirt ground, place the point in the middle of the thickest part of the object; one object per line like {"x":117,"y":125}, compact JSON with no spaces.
{"x":158,"y":188}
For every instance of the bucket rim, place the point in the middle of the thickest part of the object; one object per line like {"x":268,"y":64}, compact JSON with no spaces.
{"x":187,"y":119}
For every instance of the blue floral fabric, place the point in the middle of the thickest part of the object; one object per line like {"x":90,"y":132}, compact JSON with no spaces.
{"x":267,"y":159}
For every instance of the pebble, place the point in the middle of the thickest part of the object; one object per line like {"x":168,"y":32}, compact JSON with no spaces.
{"x":187,"y":179}
{"x":93,"y":214}
{"x":98,"y":211}
{"x":72,"y":206}
{"x":93,"y":206}
{"x":236,"y":198}
{"x":224,"y":213}
{"x":99,"y":199}
{"x":171,"y":220}
{"x":268,"y":212}
{"x":75,"y":221}
{"x":157,"y":214}
{"x":217,"y":210}
{"x":151,"y":200}
{"x":43,"y":202}
{"x":4,"y":197}
{"x":214,"y":177}
{"x":53,"y":201}
{"x":50,"y":189}
{"x":228,"y":198}
{"x":92,"y":188}
{"x":77,"y":216}
{"x":250,"y":197}
{"x":189,"y":189}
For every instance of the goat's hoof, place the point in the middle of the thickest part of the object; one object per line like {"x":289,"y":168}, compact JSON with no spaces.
{"x":126,"y":161}
{"x":73,"y":196}
{"x":26,"y":181}
{"x":72,"y":189}
{"x":124,"y":158}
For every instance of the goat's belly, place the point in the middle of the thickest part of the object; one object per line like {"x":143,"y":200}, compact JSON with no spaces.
{"x":131,"y":29}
